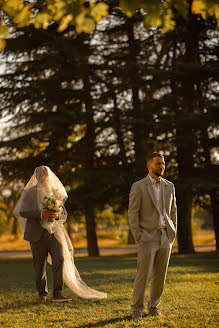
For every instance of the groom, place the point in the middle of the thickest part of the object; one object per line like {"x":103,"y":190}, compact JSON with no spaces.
{"x":153,"y":222}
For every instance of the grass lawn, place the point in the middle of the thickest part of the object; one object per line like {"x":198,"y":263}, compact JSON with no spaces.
{"x":190,"y":298}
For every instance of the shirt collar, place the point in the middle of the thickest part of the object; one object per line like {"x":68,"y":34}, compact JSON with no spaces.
{"x":153,"y":180}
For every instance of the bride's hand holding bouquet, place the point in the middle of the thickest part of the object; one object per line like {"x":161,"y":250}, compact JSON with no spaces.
{"x":51,"y":207}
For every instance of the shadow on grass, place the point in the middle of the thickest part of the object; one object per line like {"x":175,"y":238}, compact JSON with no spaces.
{"x":102,"y":266}
{"x":18,"y":274}
{"x":109,"y":321}
{"x":20,"y":306}
{"x":105,"y":322}
{"x":193,"y":263}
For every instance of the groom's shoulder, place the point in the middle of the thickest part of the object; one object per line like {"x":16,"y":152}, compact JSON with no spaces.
{"x":139,"y":182}
{"x":168,"y":182}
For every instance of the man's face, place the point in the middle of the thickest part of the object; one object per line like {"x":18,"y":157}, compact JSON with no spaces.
{"x":157,"y":166}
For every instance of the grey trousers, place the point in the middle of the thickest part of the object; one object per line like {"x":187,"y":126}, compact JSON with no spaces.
{"x":152,"y":263}
{"x":40,"y":249}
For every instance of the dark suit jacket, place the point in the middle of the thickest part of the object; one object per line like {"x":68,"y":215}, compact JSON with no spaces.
{"x":33,"y":230}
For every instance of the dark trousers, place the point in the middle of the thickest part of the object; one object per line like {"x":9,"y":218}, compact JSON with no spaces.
{"x":40,"y":249}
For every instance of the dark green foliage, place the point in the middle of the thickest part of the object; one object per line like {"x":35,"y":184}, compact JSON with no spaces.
{"x":92,"y":107}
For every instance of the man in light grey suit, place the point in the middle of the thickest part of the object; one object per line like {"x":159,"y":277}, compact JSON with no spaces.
{"x":153,"y":222}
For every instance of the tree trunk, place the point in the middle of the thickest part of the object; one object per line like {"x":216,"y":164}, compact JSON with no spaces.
{"x":184,"y":193}
{"x":89,"y":164}
{"x":185,"y":137}
{"x":184,"y":210}
{"x":213,"y":193}
{"x":215,"y":209}
{"x":92,"y":245}
{"x":14,"y":229}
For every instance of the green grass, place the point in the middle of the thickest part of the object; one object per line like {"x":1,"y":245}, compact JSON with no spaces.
{"x":190,"y":298}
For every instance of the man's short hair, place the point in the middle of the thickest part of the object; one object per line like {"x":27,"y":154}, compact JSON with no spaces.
{"x":152,"y":155}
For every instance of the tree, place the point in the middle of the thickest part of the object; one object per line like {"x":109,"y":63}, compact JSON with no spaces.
{"x":47,"y":84}
{"x":190,"y":113}
{"x":98,"y":104}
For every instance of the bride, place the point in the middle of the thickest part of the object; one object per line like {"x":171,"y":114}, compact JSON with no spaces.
{"x":41,"y":214}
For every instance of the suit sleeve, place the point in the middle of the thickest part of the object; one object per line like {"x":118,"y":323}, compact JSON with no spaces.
{"x":133,"y":211}
{"x":173,"y":213}
{"x":29,"y":208}
{"x":31,"y":215}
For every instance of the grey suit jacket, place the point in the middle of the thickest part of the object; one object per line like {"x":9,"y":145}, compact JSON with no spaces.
{"x":33,"y":230}
{"x":144,"y":214}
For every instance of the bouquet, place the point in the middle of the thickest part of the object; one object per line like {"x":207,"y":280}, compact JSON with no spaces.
{"x":52,"y":204}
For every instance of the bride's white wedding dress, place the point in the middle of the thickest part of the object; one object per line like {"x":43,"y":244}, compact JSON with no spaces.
{"x":45,"y":183}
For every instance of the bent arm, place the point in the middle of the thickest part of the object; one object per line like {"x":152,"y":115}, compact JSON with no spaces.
{"x":29,"y":207}
{"x":32,"y":216}
{"x":173,"y":214}
{"x":133,"y":211}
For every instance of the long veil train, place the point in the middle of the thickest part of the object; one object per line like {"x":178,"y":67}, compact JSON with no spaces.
{"x":70,"y":273}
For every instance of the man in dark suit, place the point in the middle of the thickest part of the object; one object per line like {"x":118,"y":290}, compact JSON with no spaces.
{"x":43,"y":243}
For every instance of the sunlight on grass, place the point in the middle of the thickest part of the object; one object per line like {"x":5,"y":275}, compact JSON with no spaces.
{"x":190,"y":298}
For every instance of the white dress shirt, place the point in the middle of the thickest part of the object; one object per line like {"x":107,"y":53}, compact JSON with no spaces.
{"x":158,"y":196}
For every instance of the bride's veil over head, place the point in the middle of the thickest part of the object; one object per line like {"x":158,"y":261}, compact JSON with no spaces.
{"x":42,"y":183}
